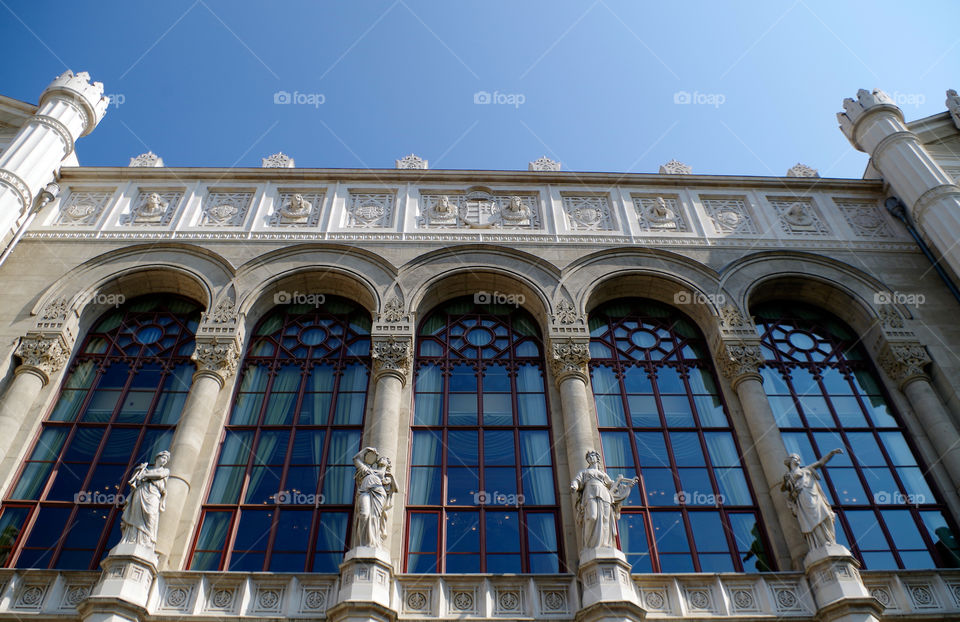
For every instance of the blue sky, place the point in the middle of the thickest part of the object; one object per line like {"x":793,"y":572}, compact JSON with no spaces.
{"x":594,"y":84}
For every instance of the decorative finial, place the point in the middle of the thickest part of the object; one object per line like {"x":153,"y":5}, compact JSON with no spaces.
{"x":277,"y":160}
{"x":544,"y":164}
{"x":673,"y":167}
{"x":412,"y":161}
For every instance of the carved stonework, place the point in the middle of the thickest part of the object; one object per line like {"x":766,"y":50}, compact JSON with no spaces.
{"x":392,"y":311}
{"x":153,"y":208}
{"x":367,"y":210}
{"x":659,"y":213}
{"x":55,"y":310}
{"x":953,"y":105}
{"x":298,"y":208}
{"x":729,"y":215}
{"x":566,"y":314}
{"x":226,"y":209}
{"x":277,"y":160}
{"x":590,"y":213}
{"x":570,"y":358}
{"x":890,"y":317}
{"x":83,"y":208}
{"x":148,"y":159}
{"x":798,"y":217}
{"x":392,"y":355}
{"x":740,"y":359}
{"x":225,"y":312}
{"x":412,"y":162}
{"x":802,"y":170}
{"x":732,"y":319}
{"x":865,"y":218}
{"x":673,"y":167}
{"x":544,"y":164}
{"x":479,"y":208}
{"x":47,"y":354}
{"x":220,"y":358}
{"x":904,"y":362}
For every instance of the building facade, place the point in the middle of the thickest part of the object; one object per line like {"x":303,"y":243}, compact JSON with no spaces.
{"x":485,"y":331}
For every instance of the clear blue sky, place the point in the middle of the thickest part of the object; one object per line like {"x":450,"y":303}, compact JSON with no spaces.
{"x":592,"y":84}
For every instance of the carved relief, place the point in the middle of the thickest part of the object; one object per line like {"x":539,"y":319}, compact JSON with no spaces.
{"x":412,"y":161}
{"x":478,"y":208}
{"x":798,"y":217}
{"x":298,"y":208}
{"x":83,"y":208}
{"x":740,"y":359}
{"x":225,"y":312}
{"x":218,"y":357}
{"x":732,"y":319}
{"x":729,"y":215}
{"x":570,"y":358}
{"x":393,"y":311}
{"x":903,"y":362}
{"x":226,"y":209}
{"x":277,"y":160}
{"x":802,"y":170}
{"x":865,"y":218}
{"x":47,"y":354}
{"x":566,"y":314}
{"x":544,"y":164}
{"x":953,"y":106}
{"x":392,"y":355}
{"x":368,"y":210}
{"x":148,"y":159}
{"x":673,"y":167}
{"x":55,"y":310}
{"x":659,"y":213}
{"x":153,"y":208}
{"x":588,"y":213}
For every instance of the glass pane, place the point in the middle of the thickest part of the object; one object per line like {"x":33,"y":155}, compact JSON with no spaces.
{"x":427,"y":408}
{"x":503,"y":532}
{"x":610,"y":411}
{"x":643,"y":411}
{"x":498,"y":447}
{"x":532,"y":409}
{"x":462,"y":409}
{"x":463,"y":532}
{"x":497,"y":409}
{"x":676,"y":410}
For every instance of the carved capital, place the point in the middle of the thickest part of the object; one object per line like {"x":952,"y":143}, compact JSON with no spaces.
{"x":904,"y":362}
{"x":392,"y":356}
{"x":43,"y":353}
{"x":219,"y":357}
{"x":569,"y":358}
{"x":739,"y":360}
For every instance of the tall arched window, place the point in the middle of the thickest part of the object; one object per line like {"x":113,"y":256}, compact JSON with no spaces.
{"x":482,"y":494}
{"x":825,"y":394}
{"x":281,"y":498}
{"x":118,"y":406}
{"x":662,"y":418}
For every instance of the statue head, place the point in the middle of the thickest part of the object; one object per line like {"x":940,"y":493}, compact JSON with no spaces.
{"x":593,"y":457}
{"x":384,"y":463}
{"x":791,"y":459}
{"x":516,"y":204}
{"x":162,"y":458}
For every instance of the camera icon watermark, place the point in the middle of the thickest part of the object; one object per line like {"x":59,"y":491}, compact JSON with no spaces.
{"x":900,"y":298}
{"x":483,"y":497}
{"x":509,"y":99}
{"x":498,"y":298}
{"x":296,"y":497}
{"x":697,"y":498}
{"x":303,"y":99}
{"x":686,"y":297}
{"x":885,"y":497}
{"x":298,"y":298}
{"x":697,"y":98}
{"x":95,"y":497}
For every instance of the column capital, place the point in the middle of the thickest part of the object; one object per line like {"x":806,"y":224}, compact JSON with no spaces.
{"x":904,"y":362}
{"x":569,"y":358}
{"x":86,"y":96}
{"x":392,"y":356}
{"x":42,"y":354}
{"x":739,"y":360}
{"x":866,"y":103}
{"x":217,"y":357}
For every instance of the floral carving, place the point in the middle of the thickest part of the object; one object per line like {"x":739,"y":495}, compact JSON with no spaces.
{"x":698,"y":599}
{"x":731,"y":318}
{"x":882,"y":595}
{"x":268,"y":599}
{"x":83,"y":208}
{"x":588,"y":213}
{"x":798,"y":216}
{"x":743,"y":599}
{"x":463,"y":601}
{"x":391,"y":355}
{"x":740,"y":359}
{"x":786,"y":599}
{"x":416,"y":600}
{"x":370,"y":209}
{"x":554,"y":600}
{"x":673,"y":167}
{"x":220,"y":358}
{"x":570,"y":358}
{"x":544,"y":164}
{"x":729,"y":215}
{"x":47,"y":354}
{"x":889,"y":317}
{"x":76,"y":594}
{"x":31,"y":596}
{"x":392,"y":311}
{"x":654,"y":600}
{"x":177,"y":597}
{"x":566,"y":313}
{"x":903,"y":362}
{"x":277,"y":160}
{"x":148,"y":159}
{"x":222,"y":598}
{"x":55,"y":310}
{"x":802,"y":170}
{"x":315,"y":599}
{"x":509,"y":601}
{"x":226,"y":209}
{"x":224,"y":313}
{"x":412,"y":161}
{"x":865,"y":218}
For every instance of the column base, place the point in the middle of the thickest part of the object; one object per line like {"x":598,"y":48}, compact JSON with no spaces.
{"x":366,"y":577}
{"x":838,"y":590}
{"x":605,"y":580}
{"x":121,"y":594}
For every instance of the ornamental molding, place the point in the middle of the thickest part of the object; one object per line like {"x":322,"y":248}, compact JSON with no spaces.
{"x":903,"y":362}
{"x":225,"y":312}
{"x":43,"y":353}
{"x":569,"y":359}
{"x":217,"y":357}
{"x":55,"y":310}
{"x":19,"y":187}
{"x":392,"y":356}
{"x":59,"y":128}
{"x":732,"y":319}
{"x":393,"y":312}
{"x":739,"y":360}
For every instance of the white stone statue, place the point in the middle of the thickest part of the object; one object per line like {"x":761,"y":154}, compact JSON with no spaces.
{"x":516,"y":212}
{"x":598,"y":499}
{"x":148,"y":490}
{"x":807,"y":500}
{"x":153,"y":208}
{"x":375,"y":490}
{"x":296,"y":211}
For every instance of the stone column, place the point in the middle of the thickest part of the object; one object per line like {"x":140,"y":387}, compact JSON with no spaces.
{"x":216,"y":361}
{"x":41,"y":356}
{"x":569,"y":360}
{"x":874,"y":124}
{"x":392,"y":357}
{"x":904,"y":363}
{"x":740,"y":362}
{"x":70,"y":107}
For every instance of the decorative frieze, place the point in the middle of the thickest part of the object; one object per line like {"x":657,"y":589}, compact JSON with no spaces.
{"x":865,"y":218}
{"x":301,"y":208}
{"x":370,"y":209}
{"x":83,"y":208}
{"x":544,"y":164}
{"x":479,"y":208}
{"x":798,"y":216}
{"x":729,"y":215}
{"x":392,"y":355}
{"x":567,"y":314}
{"x":588,"y":213}
{"x":569,"y":359}
{"x":153,"y":208}
{"x":903,"y":362}
{"x":659,"y":213}
{"x":225,"y":209}
{"x":44,"y":353}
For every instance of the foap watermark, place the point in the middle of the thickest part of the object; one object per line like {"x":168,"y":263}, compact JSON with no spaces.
{"x":96,"y":497}
{"x":302,"y":99}
{"x":885,"y":497}
{"x":298,"y":298}
{"x":898,"y":298}
{"x":498,"y":298}
{"x":497,"y":498}
{"x":686,"y":297}
{"x":908,"y":99}
{"x":117,"y":99}
{"x":699,"y":99}
{"x":505,"y":99}
{"x":696,"y":497}
{"x":296,"y":497}
{"x":110,"y":300}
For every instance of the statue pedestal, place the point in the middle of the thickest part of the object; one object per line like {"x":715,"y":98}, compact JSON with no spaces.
{"x":607,"y":590}
{"x":839,"y":592}
{"x":121,"y":594}
{"x":366,"y":577}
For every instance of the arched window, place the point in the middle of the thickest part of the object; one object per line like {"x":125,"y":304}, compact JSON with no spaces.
{"x":662,"y":418}
{"x":118,"y":406}
{"x":281,"y":498}
{"x":482,"y":494}
{"x":825,"y":394}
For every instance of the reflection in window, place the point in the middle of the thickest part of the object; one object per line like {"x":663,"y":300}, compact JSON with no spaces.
{"x":282,"y":493}
{"x":661,"y":418}
{"x":825,"y":394}
{"x":482,"y":494}
{"x":118,"y":406}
